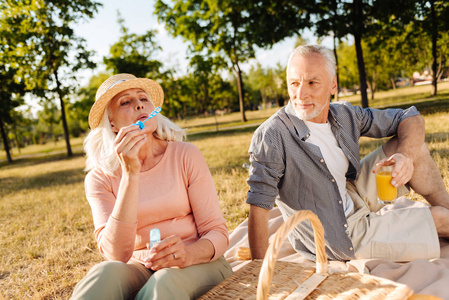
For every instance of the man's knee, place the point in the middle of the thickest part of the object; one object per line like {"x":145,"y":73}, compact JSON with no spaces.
{"x":440,"y":216}
{"x":423,"y":152}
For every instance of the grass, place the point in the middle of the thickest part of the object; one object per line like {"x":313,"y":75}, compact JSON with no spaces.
{"x":46,"y":236}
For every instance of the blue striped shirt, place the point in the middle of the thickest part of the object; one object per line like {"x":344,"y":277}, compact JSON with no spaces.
{"x":293,"y":174}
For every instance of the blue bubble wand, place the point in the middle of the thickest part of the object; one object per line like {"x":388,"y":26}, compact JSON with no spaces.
{"x":155,"y":112}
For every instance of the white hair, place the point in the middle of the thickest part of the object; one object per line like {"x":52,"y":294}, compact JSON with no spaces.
{"x":327,"y":54}
{"x":99,"y":143}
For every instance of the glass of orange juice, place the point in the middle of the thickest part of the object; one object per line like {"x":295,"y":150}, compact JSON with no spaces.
{"x":386,"y":192}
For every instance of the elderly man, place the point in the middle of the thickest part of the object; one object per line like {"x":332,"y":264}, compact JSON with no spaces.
{"x":306,"y":156}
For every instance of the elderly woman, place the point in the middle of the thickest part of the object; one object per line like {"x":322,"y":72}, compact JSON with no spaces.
{"x":141,"y":177}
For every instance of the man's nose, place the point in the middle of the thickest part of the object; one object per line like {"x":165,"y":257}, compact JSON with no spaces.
{"x":301,"y":92}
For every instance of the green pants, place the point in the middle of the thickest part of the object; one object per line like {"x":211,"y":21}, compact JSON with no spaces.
{"x":118,"y":280}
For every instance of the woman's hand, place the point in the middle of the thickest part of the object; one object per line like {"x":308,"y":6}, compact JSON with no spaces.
{"x":170,"y":252}
{"x":128,"y":142}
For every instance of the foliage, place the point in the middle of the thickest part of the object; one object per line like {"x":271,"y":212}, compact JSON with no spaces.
{"x":231,"y":28}
{"x":78,"y":111}
{"x":134,"y":54}
{"x":44,"y":47}
{"x":267,"y":85}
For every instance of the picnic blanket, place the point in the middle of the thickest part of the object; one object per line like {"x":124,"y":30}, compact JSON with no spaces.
{"x":429,"y":277}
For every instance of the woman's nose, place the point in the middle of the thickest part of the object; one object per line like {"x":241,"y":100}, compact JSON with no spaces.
{"x":139,"y":105}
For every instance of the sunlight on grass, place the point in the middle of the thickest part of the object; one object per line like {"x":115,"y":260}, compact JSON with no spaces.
{"x":46,"y":238}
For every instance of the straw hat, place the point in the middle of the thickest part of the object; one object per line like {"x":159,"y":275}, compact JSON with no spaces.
{"x":116,"y":84}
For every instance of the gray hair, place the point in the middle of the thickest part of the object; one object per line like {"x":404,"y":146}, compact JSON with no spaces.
{"x":99,"y":143}
{"x":327,"y":54}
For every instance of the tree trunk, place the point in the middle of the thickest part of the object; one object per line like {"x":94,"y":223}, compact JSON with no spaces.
{"x":434,"y":48}
{"x":64,"y":120}
{"x":5,"y":141}
{"x":16,"y":137}
{"x":393,"y":84}
{"x":336,"y":68}
{"x":241,"y":94}
{"x":358,"y":30}
{"x":206,"y":95}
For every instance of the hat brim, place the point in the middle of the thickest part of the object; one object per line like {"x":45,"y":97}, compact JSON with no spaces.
{"x":151,"y":87}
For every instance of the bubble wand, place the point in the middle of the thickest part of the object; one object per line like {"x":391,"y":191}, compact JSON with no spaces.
{"x":155,"y":112}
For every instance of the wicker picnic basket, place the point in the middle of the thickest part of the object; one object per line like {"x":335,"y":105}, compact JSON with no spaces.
{"x":271,"y":279}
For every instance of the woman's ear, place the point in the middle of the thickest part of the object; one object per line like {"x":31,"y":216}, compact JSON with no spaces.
{"x":114,"y":129}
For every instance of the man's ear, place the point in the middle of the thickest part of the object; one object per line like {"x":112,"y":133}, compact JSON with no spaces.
{"x":334,"y":86}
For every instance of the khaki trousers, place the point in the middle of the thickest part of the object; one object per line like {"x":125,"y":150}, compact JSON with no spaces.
{"x":402,"y":231}
{"x":117,"y":280}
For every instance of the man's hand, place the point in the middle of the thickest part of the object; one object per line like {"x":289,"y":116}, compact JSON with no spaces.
{"x":258,"y":231}
{"x":402,"y":171}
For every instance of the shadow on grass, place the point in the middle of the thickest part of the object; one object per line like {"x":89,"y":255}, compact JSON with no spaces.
{"x":35,"y":159}
{"x":426,"y":107}
{"x":367,"y":146}
{"x":224,"y":124}
{"x":221,"y":133}
{"x":11,"y":185}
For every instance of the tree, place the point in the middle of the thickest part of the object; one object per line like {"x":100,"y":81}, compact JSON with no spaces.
{"x":47,"y":50}
{"x":204,"y":67}
{"x":348,"y":73}
{"x":231,"y":28}
{"x":269,"y":83}
{"x":10,"y":91}
{"x":80,"y":109}
{"x":434,"y":20}
{"x":133,"y":54}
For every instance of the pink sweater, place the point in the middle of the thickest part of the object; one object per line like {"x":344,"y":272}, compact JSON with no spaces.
{"x":177,"y":196}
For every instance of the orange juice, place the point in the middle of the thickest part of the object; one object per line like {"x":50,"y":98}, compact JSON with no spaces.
{"x":385,"y":191}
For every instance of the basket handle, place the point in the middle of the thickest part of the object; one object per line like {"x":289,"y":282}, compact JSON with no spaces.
{"x":266,"y":272}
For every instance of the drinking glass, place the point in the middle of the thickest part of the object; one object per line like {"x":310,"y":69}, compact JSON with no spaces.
{"x":386,"y":192}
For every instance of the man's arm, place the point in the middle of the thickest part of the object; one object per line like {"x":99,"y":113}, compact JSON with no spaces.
{"x":258,"y":231}
{"x":402,"y":149}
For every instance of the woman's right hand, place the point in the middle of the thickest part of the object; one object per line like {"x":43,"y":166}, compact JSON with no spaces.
{"x":127,"y":144}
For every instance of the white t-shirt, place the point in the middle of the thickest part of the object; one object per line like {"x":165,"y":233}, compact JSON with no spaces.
{"x":322,"y":136}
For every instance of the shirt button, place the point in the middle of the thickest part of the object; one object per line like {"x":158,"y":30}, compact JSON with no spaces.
{"x":340,"y":202}
{"x":350,"y":248}
{"x":346,"y":225}
{"x":321,"y":160}
{"x":333,"y":180}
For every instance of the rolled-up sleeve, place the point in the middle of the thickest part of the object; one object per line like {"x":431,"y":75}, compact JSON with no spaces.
{"x":267,"y":168}
{"x":381,"y":123}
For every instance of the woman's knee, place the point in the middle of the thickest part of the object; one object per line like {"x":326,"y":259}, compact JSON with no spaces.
{"x":108,"y":269}
{"x":106,"y":280}
{"x":165,"y":284}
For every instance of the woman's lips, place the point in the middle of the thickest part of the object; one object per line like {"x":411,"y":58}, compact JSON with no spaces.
{"x":142,"y":117}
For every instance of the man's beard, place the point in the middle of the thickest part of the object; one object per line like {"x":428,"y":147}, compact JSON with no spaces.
{"x":306,"y":115}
